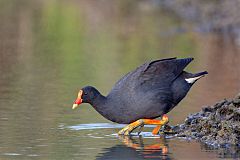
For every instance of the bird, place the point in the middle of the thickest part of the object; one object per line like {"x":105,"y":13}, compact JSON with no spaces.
{"x":144,"y":94}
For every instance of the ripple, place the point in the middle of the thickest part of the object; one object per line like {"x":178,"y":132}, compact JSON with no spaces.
{"x":135,"y":134}
{"x":95,"y":126}
{"x":32,"y":155}
{"x":11,"y":154}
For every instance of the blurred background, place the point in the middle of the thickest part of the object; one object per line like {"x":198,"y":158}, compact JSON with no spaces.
{"x":50,"y":49}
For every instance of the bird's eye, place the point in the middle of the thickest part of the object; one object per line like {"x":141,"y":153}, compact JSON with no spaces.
{"x":85,"y":93}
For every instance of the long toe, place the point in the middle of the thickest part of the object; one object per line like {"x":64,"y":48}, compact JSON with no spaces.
{"x":129,"y":128}
{"x":126,"y":130}
{"x":122,"y":131}
{"x":140,"y":129}
{"x":168,"y":129}
{"x":127,"y":133}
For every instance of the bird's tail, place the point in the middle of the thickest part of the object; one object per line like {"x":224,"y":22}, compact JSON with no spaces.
{"x":192,"y":78}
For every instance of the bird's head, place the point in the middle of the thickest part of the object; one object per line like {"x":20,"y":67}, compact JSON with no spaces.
{"x":85,"y":95}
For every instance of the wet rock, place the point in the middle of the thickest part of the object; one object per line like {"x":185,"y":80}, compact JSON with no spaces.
{"x":207,"y":109}
{"x":218,"y":125}
{"x":236,"y":101}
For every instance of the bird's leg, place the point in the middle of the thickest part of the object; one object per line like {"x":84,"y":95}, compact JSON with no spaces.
{"x":164,"y":121}
{"x":156,"y":130}
{"x":129,"y":128}
{"x":141,"y":122}
{"x":140,"y":129}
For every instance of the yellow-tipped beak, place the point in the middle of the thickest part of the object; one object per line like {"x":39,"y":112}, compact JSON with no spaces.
{"x":75,"y":106}
{"x":78,"y":100}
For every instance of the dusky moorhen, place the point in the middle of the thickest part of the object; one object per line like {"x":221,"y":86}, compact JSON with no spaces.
{"x":148,"y":92}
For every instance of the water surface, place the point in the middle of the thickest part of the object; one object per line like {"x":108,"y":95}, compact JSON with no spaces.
{"x":50,"y":49}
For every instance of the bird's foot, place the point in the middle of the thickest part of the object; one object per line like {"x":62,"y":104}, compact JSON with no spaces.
{"x":129,"y":128}
{"x":167,"y":129}
{"x":141,"y":122}
{"x":140,"y":129}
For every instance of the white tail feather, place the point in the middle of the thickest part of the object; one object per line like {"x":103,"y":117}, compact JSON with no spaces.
{"x":192,"y":80}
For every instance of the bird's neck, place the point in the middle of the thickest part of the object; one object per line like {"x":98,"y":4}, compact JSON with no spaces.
{"x":102,"y":106}
{"x":98,"y":101}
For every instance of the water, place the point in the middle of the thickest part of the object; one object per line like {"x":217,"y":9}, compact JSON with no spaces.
{"x":50,"y":49}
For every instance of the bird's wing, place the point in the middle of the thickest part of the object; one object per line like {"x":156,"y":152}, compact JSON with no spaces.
{"x":154,"y":79}
{"x":151,"y":80}
{"x":160,"y":72}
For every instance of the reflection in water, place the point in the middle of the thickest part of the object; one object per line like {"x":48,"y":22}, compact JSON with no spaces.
{"x":156,"y":150}
{"x":49,"y":49}
{"x":134,"y":148}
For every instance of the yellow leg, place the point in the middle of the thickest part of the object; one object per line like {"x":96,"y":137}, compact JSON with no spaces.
{"x":158,"y":127}
{"x":129,"y":128}
{"x":156,"y":130}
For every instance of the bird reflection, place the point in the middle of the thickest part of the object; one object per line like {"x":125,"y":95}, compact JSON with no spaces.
{"x":156,"y":149}
{"x":137,"y":147}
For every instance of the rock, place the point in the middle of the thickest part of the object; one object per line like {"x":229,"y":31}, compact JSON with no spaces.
{"x":218,"y":125}
{"x":207,"y":109}
{"x":236,"y":101}
{"x":237,"y":96}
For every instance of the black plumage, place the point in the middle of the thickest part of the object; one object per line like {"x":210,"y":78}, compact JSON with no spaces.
{"x":151,"y":90}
